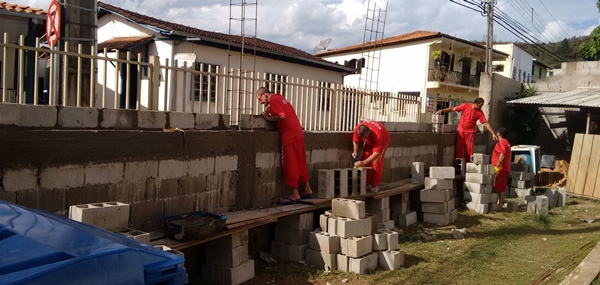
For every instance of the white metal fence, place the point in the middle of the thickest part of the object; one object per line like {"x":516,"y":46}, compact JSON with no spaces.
{"x":118,"y":80}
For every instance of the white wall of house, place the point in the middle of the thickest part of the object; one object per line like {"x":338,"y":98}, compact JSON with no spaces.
{"x":518,"y":65}
{"x":14,"y":26}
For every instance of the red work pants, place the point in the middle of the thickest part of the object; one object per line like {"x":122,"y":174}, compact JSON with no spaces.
{"x":374,"y":175}
{"x":293,"y":162}
{"x":465,"y":142}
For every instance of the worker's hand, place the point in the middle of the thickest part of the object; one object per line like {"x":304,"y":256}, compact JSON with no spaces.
{"x":496,"y":169}
{"x":354,"y":155}
{"x":439,"y":112}
{"x":495,"y":137}
{"x":359,"y":163}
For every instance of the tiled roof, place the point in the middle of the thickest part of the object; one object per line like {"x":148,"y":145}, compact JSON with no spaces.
{"x":408,"y":37}
{"x":256,"y":42}
{"x":123,"y":42}
{"x":21,"y":9}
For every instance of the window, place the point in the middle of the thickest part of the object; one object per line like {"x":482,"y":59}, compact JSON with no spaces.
{"x":514,"y":73}
{"x":276,"y":87}
{"x":205,"y":83}
{"x":324,"y":95}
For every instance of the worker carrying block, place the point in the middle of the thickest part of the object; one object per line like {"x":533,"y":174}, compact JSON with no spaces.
{"x":376,"y":139}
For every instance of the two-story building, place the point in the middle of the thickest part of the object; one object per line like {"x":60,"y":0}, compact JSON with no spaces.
{"x":441,"y":69}
{"x":517,"y":66}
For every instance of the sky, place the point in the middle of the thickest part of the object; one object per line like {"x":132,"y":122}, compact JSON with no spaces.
{"x":304,"y":24}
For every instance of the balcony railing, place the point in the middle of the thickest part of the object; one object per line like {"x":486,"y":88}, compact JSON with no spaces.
{"x":122,"y":82}
{"x":453,"y":77}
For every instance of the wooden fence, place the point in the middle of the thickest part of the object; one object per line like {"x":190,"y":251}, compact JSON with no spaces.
{"x":583,"y":178}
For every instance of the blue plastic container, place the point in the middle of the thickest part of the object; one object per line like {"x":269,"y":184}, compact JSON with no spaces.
{"x":38,"y":247}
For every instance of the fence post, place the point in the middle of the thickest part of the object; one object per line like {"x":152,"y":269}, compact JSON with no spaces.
{"x":154,"y":83}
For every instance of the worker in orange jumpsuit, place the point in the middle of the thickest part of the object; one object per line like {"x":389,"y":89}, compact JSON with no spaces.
{"x":376,"y":139}
{"x":293,"y":155}
{"x":467,"y":127}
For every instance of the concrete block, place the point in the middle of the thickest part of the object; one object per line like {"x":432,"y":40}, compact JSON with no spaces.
{"x":521,"y":183}
{"x":392,"y":240}
{"x":541,"y":207}
{"x":405,"y":220}
{"x":387,"y":225}
{"x":210,"y":121}
{"x":140,"y":171}
{"x":20,"y":179}
{"x":356,"y":246}
{"x":291,"y":236}
{"x":276,"y":249}
{"x":326,"y":189}
{"x":479,"y":178}
{"x":11,"y":114}
{"x":136,"y":235}
{"x":493,"y":207}
{"x":118,"y":119}
{"x":532,"y":207}
{"x":362,"y":181}
{"x":77,"y":117}
{"x":332,"y":225}
{"x":494,"y":198}
{"x":518,"y":175}
{"x":562,"y":197}
{"x":523,"y":192}
{"x":479,"y":198}
{"x":512,"y":206}
{"x":226,"y":163}
{"x":296,"y":253}
{"x":229,"y":275}
{"x":108,"y":173}
{"x":400,"y":207}
{"x":480,"y":158}
{"x":342,"y":262}
{"x":441,"y":172}
{"x":418,"y":172}
{"x":323,"y":222}
{"x":348,"y":208}
{"x":341,"y":182}
{"x":552,"y":195}
{"x":438,"y":219}
{"x":111,"y":216}
{"x":438,"y":208}
{"x":519,"y":167}
{"x":380,"y":240}
{"x":248,"y":122}
{"x":181,"y":120}
{"x":476,"y":168}
{"x":436,"y":196}
{"x":151,"y":119}
{"x":377,"y":204}
{"x":354,"y":228}
{"x":529,"y":199}
{"x":373,"y":220}
{"x":476,"y":188}
{"x":438,"y":184}
{"x":364,"y":264}
{"x":324,"y":242}
{"x":479,"y":208}
{"x":35,"y":116}
{"x":321,"y":260}
{"x":381,"y":215}
{"x":62,"y":177}
{"x":298,"y":222}
{"x":228,"y":257}
{"x":231,"y":241}
{"x":391,"y":260}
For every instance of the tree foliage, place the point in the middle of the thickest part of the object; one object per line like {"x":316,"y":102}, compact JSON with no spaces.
{"x":591,"y":50}
{"x":524,"y":122}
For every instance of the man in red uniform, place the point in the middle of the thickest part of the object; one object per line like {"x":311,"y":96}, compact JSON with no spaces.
{"x":501,"y":160}
{"x":467,"y":127}
{"x":293,"y":155}
{"x":376,"y":139}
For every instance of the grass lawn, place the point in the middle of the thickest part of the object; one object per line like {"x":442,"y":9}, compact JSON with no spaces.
{"x":500,"y":248}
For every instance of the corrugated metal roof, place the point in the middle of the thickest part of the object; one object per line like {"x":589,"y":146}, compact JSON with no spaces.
{"x":580,"y":97}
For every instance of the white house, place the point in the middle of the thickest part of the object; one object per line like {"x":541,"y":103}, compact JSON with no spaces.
{"x":441,"y":69}
{"x":203,"y":50}
{"x":518,"y":65}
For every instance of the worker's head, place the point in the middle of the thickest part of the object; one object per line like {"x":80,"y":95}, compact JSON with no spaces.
{"x":364,"y":132}
{"x":262,"y":95}
{"x":478,"y":103}
{"x":502,"y":132}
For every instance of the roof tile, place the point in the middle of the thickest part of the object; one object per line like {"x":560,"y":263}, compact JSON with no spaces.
{"x":21,"y":9}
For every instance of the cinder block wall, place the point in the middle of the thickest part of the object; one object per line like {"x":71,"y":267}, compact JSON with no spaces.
{"x":166,"y":173}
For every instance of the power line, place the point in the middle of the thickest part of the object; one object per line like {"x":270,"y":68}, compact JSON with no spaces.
{"x":554,"y":18}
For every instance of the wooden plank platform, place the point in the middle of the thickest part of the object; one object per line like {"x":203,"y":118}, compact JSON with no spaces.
{"x":385,"y":190}
{"x":239,"y":221}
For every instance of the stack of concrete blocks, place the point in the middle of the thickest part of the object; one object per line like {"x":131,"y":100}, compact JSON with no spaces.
{"x":345,"y":241}
{"x":380,"y":208}
{"x":227,"y":260}
{"x":342,"y":182}
{"x":541,"y":203}
{"x":438,"y":201}
{"x":437,"y":122}
{"x":111,"y":216}
{"x":521,"y":180}
{"x":400,"y":210}
{"x":291,"y":237}
{"x":136,"y":235}
{"x":478,"y":187}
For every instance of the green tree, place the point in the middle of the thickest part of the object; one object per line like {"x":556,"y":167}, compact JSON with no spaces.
{"x":591,"y":51}
{"x":564,"y":49}
{"x":524,"y":122}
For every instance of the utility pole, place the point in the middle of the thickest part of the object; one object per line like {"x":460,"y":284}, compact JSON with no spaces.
{"x":490,"y":37}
